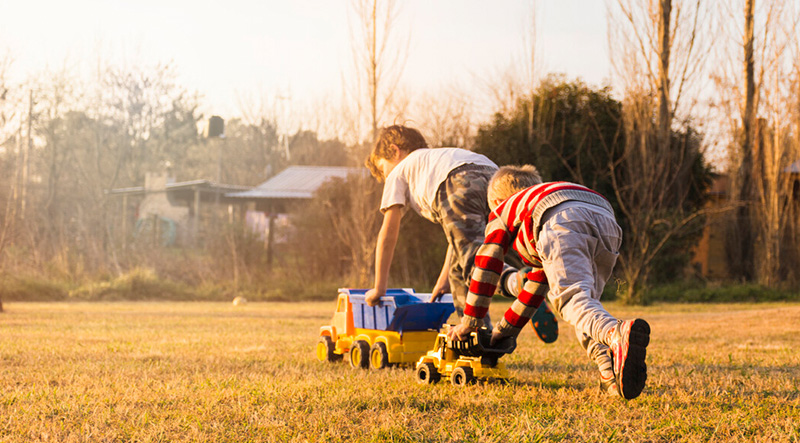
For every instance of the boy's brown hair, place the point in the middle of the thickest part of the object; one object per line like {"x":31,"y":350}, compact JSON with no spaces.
{"x":508,"y":180}
{"x":405,"y":138}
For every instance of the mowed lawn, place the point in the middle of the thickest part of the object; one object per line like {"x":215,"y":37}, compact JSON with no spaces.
{"x":143,"y":372}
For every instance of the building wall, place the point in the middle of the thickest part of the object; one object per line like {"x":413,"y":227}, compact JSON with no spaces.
{"x":156,"y":206}
{"x":709,"y":256}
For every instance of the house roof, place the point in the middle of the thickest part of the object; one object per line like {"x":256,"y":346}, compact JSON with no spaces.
{"x":296,"y":182}
{"x":204,"y":185}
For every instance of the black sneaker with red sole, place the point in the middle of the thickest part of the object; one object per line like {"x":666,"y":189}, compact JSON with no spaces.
{"x":629,"y":349}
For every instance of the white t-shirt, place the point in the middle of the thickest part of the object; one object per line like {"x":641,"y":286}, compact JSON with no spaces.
{"x":415,"y":180}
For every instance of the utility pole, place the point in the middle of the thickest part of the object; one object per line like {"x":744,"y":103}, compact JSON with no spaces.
{"x":219,"y":171}
{"x":216,"y":130}
{"x":284,"y":103}
{"x":374,"y":72}
{"x":26,"y":158}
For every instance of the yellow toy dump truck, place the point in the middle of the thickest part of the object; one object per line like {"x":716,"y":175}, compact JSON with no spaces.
{"x":396,"y":332}
{"x":465,"y":362}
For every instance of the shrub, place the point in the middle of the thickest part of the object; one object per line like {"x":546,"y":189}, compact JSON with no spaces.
{"x":697,"y":292}
{"x":26,"y":288}
{"x":137,"y":284}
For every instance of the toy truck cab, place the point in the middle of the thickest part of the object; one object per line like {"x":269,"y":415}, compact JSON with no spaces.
{"x":465,"y":362}
{"x":396,"y":332}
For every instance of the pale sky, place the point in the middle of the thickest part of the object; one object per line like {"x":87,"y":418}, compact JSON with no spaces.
{"x":225,"y":50}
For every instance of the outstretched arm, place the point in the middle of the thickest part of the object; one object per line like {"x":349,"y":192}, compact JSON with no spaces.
{"x":486,"y":273}
{"x":485,"y":276}
{"x":384,"y":252}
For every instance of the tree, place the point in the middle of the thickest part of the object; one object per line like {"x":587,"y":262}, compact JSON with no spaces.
{"x":337,"y":230}
{"x":307,"y":149}
{"x":10,"y":147}
{"x":580,"y":137}
{"x":740,"y":246}
{"x":773,"y":145}
{"x":757,"y":104}
{"x":444,"y":118}
{"x":8,"y":163}
{"x":575,"y":127}
{"x":379,"y":59}
{"x":81,"y":146}
{"x":250,"y":153}
{"x":159,"y":118}
{"x":656,"y":49}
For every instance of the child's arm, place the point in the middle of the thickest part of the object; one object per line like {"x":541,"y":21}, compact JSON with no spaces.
{"x":442,"y":285}
{"x":485,"y":276}
{"x":384,"y":252}
{"x":530,"y":297}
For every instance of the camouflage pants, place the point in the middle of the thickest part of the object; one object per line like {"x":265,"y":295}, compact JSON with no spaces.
{"x":462,"y":209}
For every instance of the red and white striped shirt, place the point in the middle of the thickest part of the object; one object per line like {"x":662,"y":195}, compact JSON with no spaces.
{"x":516,"y":222}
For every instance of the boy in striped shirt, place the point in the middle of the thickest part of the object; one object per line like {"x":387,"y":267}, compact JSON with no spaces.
{"x":569,"y":236}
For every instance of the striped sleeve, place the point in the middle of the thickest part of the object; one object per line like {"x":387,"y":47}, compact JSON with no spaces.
{"x":486,"y":272}
{"x":523,"y":308}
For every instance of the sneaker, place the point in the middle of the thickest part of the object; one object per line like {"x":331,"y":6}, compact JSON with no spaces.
{"x":629,"y":349}
{"x":544,"y":323}
{"x":608,"y":382}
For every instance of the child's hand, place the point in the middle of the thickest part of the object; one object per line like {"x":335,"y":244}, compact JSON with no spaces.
{"x":373,"y":297}
{"x":460,"y":332}
{"x":496,"y":336}
{"x":439,"y":290}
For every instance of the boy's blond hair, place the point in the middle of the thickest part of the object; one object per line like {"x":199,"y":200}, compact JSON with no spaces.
{"x":405,"y":138}
{"x":508,"y":180}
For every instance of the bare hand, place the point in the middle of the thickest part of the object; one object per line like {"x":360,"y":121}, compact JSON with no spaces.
{"x":496,"y":336}
{"x":460,"y":332}
{"x":373,"y":297}
{"x":439,"y":290}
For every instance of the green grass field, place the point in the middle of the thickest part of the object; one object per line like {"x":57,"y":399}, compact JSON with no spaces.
{"x":213,"y":372}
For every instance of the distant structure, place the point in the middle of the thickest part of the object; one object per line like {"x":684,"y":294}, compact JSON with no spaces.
{"x":272,"y":199}
{"x":169,"y":211}
{"x":216,"y":127}
{"x":709,"y":255}
{"x":293,"y":184}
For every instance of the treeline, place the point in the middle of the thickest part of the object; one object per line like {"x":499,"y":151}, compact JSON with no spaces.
{"x":66,"y":145}
{"x":647,"y":144}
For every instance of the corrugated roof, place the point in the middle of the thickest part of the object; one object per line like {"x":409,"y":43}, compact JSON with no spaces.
{"x":202,"y":184}
{"x":296,"y":182}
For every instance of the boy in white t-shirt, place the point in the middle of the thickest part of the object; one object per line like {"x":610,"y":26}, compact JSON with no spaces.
{"x":447,"y":186}
{"x":444,"y":185}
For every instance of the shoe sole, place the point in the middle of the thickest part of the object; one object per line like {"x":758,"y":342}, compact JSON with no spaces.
{"x":545,"y":324}
{"x":634,"y":369}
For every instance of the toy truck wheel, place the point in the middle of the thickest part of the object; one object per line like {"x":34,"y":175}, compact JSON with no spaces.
{"x":427,"y":374}
{"x":462,"y":376}
{"x":359,"y":354}
{"x":325,"y":350}
{"x":379,"y":356}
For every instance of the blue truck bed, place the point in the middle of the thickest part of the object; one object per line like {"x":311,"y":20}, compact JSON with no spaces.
{"x":400,"y":310}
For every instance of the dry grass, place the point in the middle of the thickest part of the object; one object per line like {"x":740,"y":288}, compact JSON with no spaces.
{"x":215,"y":372}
